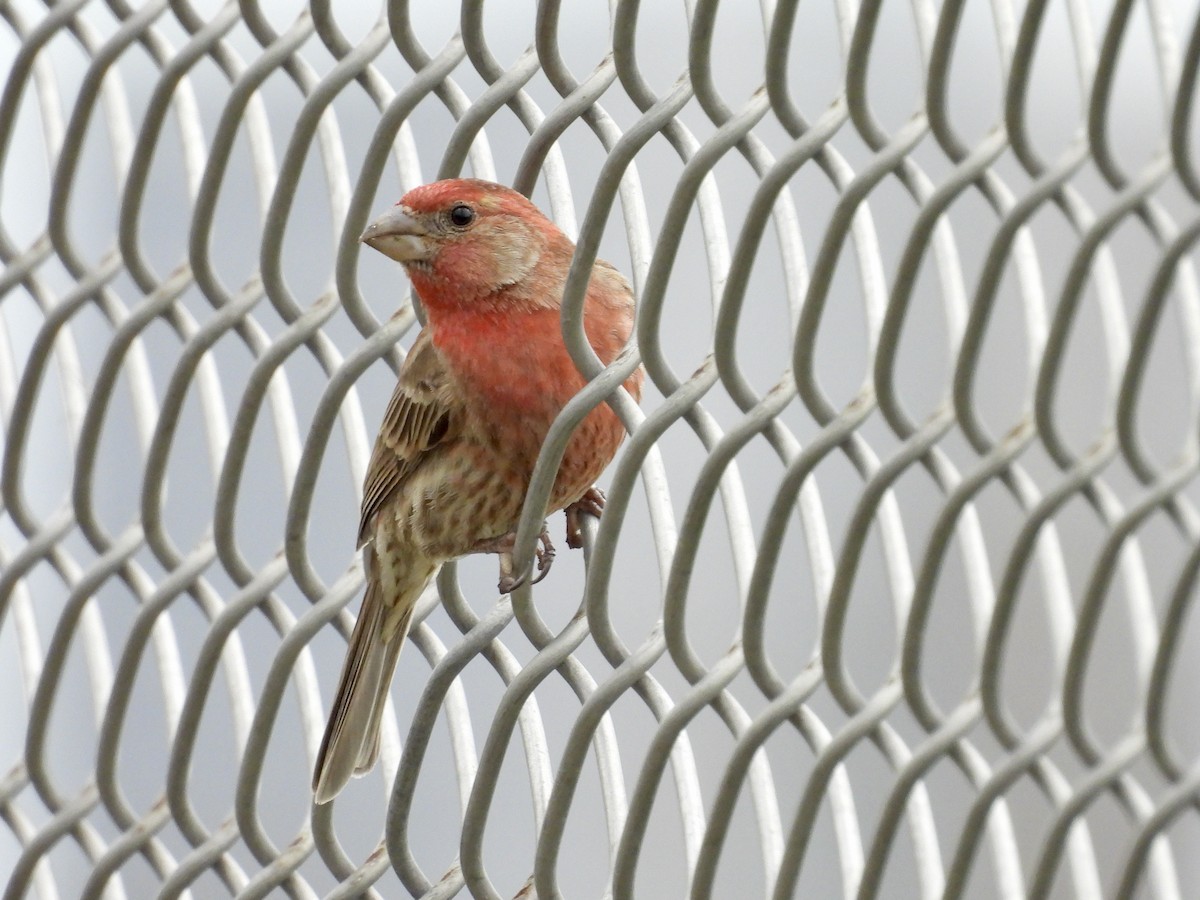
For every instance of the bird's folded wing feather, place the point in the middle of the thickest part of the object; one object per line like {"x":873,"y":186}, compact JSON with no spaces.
{"x":422,"y":413}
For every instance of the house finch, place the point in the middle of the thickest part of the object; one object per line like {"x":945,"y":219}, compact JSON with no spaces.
{"x":477,"y":393}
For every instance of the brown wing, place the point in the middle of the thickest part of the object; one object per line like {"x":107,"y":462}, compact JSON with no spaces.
{"x":422,"y":413}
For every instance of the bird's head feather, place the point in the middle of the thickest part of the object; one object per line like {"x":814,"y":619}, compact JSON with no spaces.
{"x":464,"y":241}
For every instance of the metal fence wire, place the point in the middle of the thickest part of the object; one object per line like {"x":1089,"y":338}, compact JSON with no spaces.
{"x":892,"y":596}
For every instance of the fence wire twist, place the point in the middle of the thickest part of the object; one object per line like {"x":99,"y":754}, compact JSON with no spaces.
{"x":174,"y":315}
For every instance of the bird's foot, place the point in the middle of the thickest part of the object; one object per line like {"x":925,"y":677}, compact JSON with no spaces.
{"x":592,"y":504}
{"x":503,"y":546}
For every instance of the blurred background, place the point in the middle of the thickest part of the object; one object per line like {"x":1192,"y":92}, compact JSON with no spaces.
{"x":186,"y":349}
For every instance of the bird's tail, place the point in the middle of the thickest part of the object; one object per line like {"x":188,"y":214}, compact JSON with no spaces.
{"x":351,"y":742}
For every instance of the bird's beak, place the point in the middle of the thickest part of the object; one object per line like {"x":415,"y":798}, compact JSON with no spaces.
{"x":399,"y":235}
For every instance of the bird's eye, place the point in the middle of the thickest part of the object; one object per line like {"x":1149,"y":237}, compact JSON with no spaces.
{"x":462,"y":215}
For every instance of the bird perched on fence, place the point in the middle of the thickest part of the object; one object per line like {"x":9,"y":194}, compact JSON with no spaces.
{"x":475,"y":398}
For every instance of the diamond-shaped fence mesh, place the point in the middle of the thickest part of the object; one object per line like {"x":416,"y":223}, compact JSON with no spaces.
{"x":892,"y":595}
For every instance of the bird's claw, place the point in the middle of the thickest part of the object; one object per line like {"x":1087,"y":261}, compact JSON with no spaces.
{"x":592,"y":504}
{"x":503,"y":545}
{"x":545,"y":554}
{"x":508,"y":583}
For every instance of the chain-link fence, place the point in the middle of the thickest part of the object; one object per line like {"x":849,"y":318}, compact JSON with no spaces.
{"x":891,"y":597}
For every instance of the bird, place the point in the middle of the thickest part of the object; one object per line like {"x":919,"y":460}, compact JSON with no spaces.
{"x":473,"y":402}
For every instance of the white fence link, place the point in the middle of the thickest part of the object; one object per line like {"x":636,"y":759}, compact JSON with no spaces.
{"x":892,"y":594}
